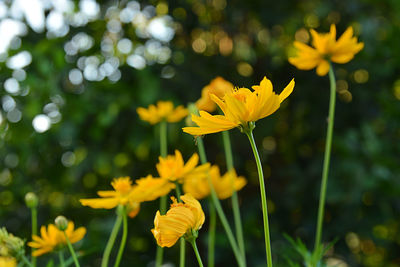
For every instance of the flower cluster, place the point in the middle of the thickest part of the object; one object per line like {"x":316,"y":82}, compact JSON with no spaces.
{"x":163,"y":111}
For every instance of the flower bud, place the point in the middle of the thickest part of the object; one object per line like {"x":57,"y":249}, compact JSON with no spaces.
{"x":61,"y":223}
{"x":31,"y":200}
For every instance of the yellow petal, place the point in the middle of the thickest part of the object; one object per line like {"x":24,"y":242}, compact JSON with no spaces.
{"x":286,"y":91}
{"x":323,"y":68}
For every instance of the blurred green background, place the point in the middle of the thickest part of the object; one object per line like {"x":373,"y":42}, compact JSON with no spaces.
{"x":73,"y":73}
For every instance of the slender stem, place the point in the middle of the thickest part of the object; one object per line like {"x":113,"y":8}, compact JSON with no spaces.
{"x":196,"y":251}
{"x":211,"y":234}
{"x":182,"y":252}
{"x":163,"y":199}
{"x":327,"y":156}
{"x":111,"y":241}
{"x":34,"y":230}
{"x":26,"y":261}
{"x":71,"y":250}
{"x":178,"y":191}
{"x":123,"y":239}
{"x":220,"y":211}
{"x":61,"y":258}
{"x":234,"y":198}
{"x":263,"y":197}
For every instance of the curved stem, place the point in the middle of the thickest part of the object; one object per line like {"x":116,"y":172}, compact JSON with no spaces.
{"x":234,"y":198}
{"x":211,"y":234}
{"x":196,"y":251}
{"x":34,"y":230}
{"x":71,"y":250}
{"x":123,"y":239}
{"x":163,"y":199}
{"x":219,"y":209}
{"x":111,"y":240}
{"x":327,"y":156}
{"x":25,"y":260}
{"x":263,"y":197}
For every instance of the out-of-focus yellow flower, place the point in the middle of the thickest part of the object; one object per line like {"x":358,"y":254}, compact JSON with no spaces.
{"x":7,"y":262}
{"x":218,"y":86}
{"x":52,"y":238}
{"x":126,"y":194}
{"x":10,"y":245}
{"x":174,"y":169}
{"x":224,"y":185}
{"x":326,"y":48}
{"x":182,"y":219}
{"x":163,"y":110}
{"x":240,"y":106}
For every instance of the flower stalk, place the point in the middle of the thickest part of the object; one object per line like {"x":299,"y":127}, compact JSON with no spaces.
{"x":327,"y":155}
{"x":249,"y":133}
{"x":71,"y":250}
{"x":163,"y":199}
{"x":124,"y":237}
{"x":111,"y":241}
{"x":234,"y":198}
{"x":182,"y":240}
{"x":211,"y":234}
{"x":203,"y":159}
{"x":61,"y":258}
{"x":196,"y":251}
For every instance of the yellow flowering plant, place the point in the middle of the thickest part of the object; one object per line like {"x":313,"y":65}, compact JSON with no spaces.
{"x":326,"y":49}
{"x":181,"y":220}
{"x":162,"y":111}
{"x":218,"y":86}
{"x":52,"y":239}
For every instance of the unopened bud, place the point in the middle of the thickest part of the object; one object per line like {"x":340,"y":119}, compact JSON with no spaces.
{"x":61,"y":223}
{"x":31,"y":200}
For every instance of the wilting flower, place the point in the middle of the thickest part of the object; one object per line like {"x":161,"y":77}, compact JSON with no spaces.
{"x":240,"y":106}
{"x":164,"y":110}
{"x":224,"y":185}
{"x":7,"y":262}
{"x":126,"y":194}
{"x":182,"y":219}
{"x":52,"y":238}
{"x":218,"y":86}
{"x":174,"y":169}
{"x":326,"y":48}
{"x":10,"y":245}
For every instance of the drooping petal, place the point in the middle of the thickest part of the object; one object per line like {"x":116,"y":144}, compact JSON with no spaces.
{"x":286,"y":91}
{"x":323,"y":68}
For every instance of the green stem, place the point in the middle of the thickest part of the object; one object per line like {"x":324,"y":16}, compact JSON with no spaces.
{"x":123,"y":239}
{"x":178,"y":191}
{"x":182,"y":252}
{"x":327,"y":156}
{"x":263,"y":197}
{"x":220,"y":211}
{"x":34,"y":230}
{"x":196,"y":251}
{"x":25,"y":260}
{"x":111,"y":241}
{"x":61,"y":258}
{"x":234,"y":198}
{"x":71,"y":250}
{"x":163,"y":199}
{"x":211,"y":234}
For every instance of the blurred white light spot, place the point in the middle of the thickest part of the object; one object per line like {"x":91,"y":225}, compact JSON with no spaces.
{"x":41,"y":123}
{"x":114,"y":26}
{"x":11,"y":85}
{"x":8,"y":103}
{"x":136,"y":61}
{"x":68,"y":159}
{"x":91,"y":73}
{"x":50,"y":107}
{"x":115,"y":76}
{"x":124,"y":46}
{"x":167,"y":72}
{"x":89,"y":8}
{"x":19,"y":74}
{"x":127,"y":14}
{"x":20,"y":60}
{"x":14,"y":115}
{"x":3,"y":10}
{"x":158,"y":29}
{"x":75,"y":76}
{"x":9,"y":28}
{"x":33,"y":11}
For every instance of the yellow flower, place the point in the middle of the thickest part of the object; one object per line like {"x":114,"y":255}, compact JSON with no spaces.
{"x":182,"y":219}
{"x":240,"y":107}
{"x":164,"y":110}
{"x":110,"y":199}
{"x":326,"y":48}
{"x":224,"y":185}
{"x":7,"y":262}
{"x":52,"y":238}
{"x":126,"y":194}
{"x":174,"y":169}
{"x":218,"y":86}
